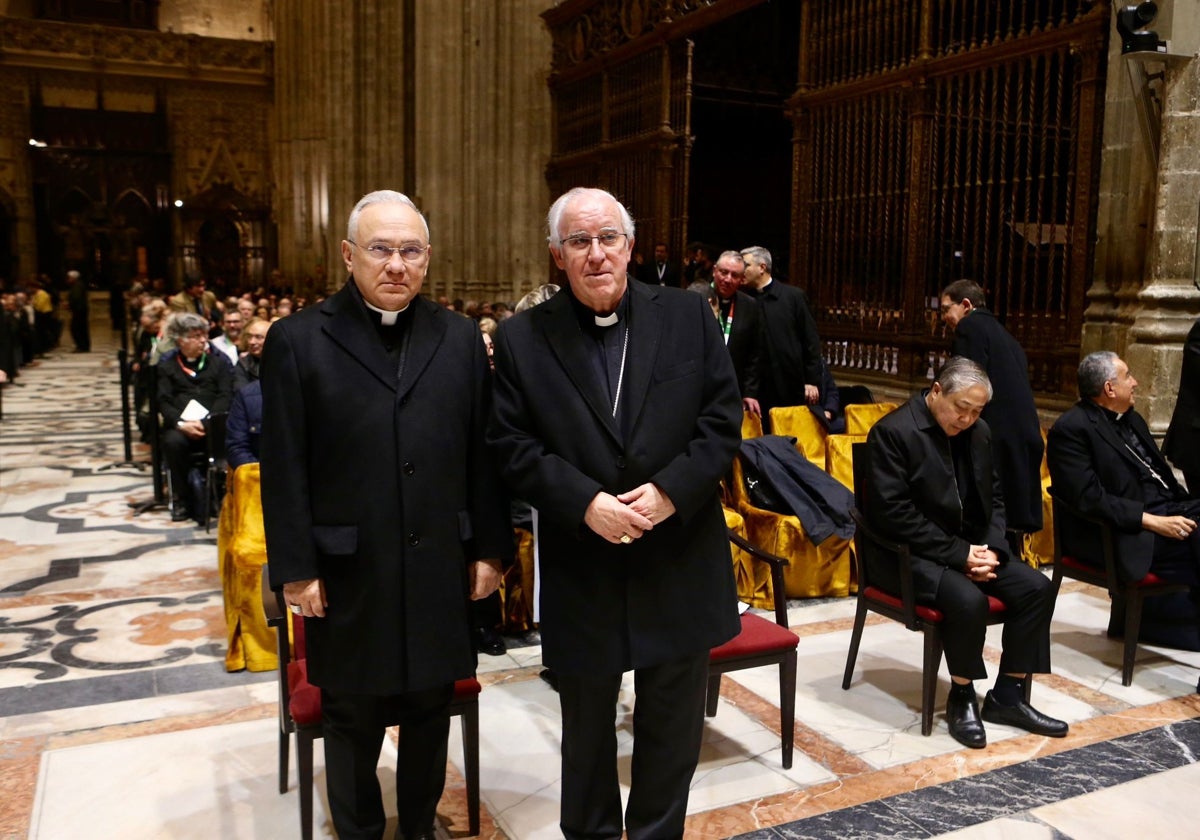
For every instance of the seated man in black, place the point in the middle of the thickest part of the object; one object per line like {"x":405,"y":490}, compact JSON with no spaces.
{"x":1104,"y":464}
{"x":931,"y":484}
{"x":186,"y":373}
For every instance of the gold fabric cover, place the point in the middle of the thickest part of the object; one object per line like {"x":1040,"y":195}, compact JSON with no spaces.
{"x":1038,"y":548}
{"x":241,"y":553}
{"x":840,"y":460}
{"x":799,"y":422}
{"x":813,"y":571}
{"x":860,"y":417}
{"x":751,"y":425}
{"x":753,"y":579}
{"x":516,"y":587}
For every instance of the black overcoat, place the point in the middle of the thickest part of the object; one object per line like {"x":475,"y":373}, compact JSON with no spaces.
{"x":1093,"y":470}
{"x":791,"y":353}
{"x":1182,"y":443}
{"x":606,"y":608}
{"x":1011,"y":414}
{"x":383,"y":489}
{"x":912,"y":495}
{"x":745,"y":343}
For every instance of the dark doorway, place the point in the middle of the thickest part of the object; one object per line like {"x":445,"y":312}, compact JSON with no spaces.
{"x":740,"y":181}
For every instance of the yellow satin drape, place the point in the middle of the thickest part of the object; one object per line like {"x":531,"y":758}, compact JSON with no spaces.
{"x":241,"y":553}
{"x":799,"y":422}
{"x":860,"y":417}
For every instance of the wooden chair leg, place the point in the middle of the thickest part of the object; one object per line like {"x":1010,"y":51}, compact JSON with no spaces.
{"x":304,"y":764}
{"x":285,"y":741}
{"x":713,"y":695}
{"x":929,"y":674}
{"x":787,"y":707}
{"x":1133,"y":626}
{"x":860,"y":620}
{"x":470,"y":734}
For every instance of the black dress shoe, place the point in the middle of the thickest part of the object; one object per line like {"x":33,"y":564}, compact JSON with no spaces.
{"x":1022,"y":716}
{"x":489,"y":641}
{"x":962,"y":714}
{"x":179,"y":514}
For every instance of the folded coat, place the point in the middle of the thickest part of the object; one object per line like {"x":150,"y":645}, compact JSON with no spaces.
{"x":819,"y":501}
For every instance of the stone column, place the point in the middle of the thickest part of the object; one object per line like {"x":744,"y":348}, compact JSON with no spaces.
{"x":1169,"y":300}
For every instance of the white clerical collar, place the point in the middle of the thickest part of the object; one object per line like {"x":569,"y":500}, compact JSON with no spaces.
{"x":606,"y":320}
{"x":386,"y":317}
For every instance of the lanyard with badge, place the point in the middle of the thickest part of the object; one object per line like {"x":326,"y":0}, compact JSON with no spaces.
{"x":727,"y":322}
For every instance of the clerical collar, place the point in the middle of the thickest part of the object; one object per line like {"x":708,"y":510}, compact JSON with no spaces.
{"x":590,"y":320}
{"x":386,"y":317}
{"x":606,"y":320}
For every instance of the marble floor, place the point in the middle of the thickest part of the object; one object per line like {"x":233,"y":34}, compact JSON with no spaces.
{"x":118,"y":719}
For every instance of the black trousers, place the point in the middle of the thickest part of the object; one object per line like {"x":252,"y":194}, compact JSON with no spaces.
{"x":668,"y":724}
{"x":1029,"y":598}
{"x":354,"y":727}
{"x":178,"y":450}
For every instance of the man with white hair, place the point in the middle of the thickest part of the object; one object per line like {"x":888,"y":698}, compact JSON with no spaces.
{"x":617,"y":413}
{"x":932,"y":483}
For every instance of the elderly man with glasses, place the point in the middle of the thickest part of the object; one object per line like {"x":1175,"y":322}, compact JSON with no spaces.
{"x":383,"y":510}
{"x":617,"y":412}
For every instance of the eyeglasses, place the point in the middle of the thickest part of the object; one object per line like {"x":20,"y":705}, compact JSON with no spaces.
{"x":581,"y":243}
{"x":383,"y":253}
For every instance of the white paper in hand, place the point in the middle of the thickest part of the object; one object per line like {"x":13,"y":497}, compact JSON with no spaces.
{"x":193,"y":411}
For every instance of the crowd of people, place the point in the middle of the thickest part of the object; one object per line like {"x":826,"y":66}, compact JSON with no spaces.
{"x":611,"y":408}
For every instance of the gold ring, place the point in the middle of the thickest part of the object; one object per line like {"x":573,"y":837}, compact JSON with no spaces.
{"x":626,"y":539}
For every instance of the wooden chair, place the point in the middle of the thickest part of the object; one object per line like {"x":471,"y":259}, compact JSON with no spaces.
{"x":300,"y":713}
{"x":1102,"y":572}
{"x":860,"y":417}
{"x":799,"y":422}
{"x":761,"y":642}
{"x":900,"y":606}
{"x":215,"y":464}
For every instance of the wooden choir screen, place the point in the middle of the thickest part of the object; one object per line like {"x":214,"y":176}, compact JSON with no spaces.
{"x":945,"y":139}
{"x":625,"y":127}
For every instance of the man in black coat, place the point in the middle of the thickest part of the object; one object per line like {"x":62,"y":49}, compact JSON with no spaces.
{"x":383,"y":511}
{"x":617,"y":413}
{"x":1104,"y":464}
{"x":1182,"y":443}
{"x":188,"y":373}
{"x":791,"y":357}
{"x":660,"y":272}
{"x":1012,"y":414}
{"x":741,"y":325}
{"x":931,"y":483}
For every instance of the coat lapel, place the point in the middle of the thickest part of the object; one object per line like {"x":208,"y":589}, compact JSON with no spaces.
{"x":643,"y":347}
{"x":348,"y":326}
{"x":427,"y":333}
{"x":569,"y":345}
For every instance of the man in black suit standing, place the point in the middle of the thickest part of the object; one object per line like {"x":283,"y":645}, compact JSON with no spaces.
{"x":1182,"y":443}
{"x":931,"y":483}
{"x":383,"y":510}
{"x":616,"y":414}
{"x":738,"y":315}
{"x":661,"y":272}
{"x":791,"y":362}
{"x":1017,"y":438}
{"x":1104,"y":464}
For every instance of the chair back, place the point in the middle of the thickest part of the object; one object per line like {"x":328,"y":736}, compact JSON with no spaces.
{"x":799,"y":422}
{"x":839,"y":457}
{"x":866,"y":538}
{"x":860,"y":417}
{"x":752,"y":426}
{"x":214,"y":436}
{"x":1105,"y":566}
{"x":776,"y":563}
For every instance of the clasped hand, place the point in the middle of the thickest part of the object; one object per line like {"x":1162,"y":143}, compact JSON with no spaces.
{"x":981,"y":563}
{"x":628,"y":515}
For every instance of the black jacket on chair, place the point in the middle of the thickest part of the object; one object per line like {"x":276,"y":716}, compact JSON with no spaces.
{"x":818,"y":500}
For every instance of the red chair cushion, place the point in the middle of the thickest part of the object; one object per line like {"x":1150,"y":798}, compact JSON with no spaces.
{"x":758,"y":636}
{"x":1150,"y":579}
{"x":466,"y":688}
{"x":304,"y":698}
{"x":930,"y":614}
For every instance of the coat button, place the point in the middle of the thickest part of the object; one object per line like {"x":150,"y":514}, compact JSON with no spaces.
{"x":620,"y":463}
{"x":414,"y":540}
{"x":409,"y":469}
